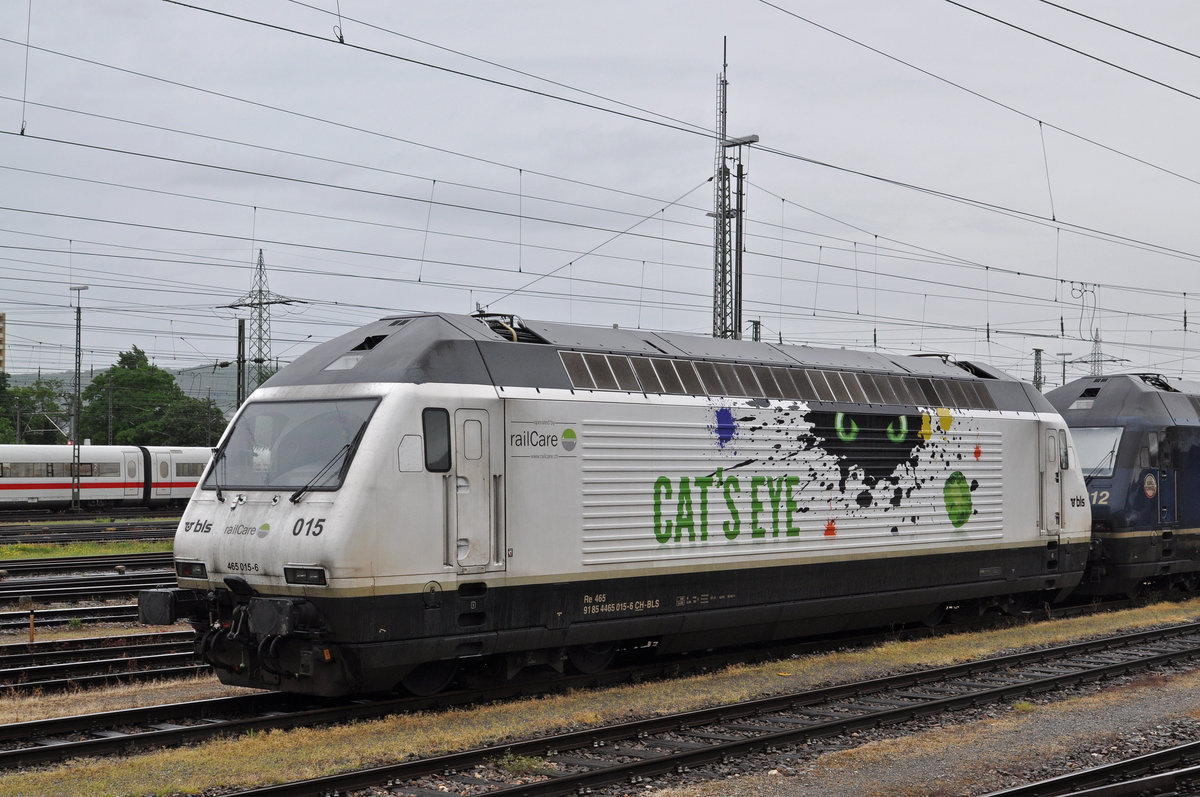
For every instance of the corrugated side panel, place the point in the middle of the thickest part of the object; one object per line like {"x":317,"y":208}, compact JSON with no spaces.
{"x":737,"y":482}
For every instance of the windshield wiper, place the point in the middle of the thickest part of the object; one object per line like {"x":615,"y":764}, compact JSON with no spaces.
{"x":1096,"y":469}
{"x":218,"y":455}
{"x":343,"y":452}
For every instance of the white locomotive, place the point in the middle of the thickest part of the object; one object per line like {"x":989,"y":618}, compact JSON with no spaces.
{"x":439,"y":491}
{"x":39,"y":476}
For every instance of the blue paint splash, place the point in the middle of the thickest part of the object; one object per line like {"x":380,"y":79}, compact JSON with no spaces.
{"x":726,"y":426}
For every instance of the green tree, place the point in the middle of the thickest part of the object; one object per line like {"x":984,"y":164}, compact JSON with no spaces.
{"x":193,"y":422}
{"x":141,"y":395}
{"x":37,"y":413}
{"x":148,"y":407}
{"x":8,"y":432}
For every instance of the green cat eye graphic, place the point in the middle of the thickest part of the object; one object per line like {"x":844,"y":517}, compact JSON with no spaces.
{"x":847,"y":434}
{"x":897,"y":430}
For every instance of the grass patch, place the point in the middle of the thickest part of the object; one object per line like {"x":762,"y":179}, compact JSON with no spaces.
{"x":30,"y":550}
{"x":1023,"y":705}
{"x":311,"y":752}
{"x":523,"y":765}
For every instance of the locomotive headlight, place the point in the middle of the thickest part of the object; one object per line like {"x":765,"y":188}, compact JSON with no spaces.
{"x":191,"y":570}
{"x":304,"y":575}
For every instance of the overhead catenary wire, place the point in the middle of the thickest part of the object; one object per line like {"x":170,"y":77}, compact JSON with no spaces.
{"x":851,"y":245}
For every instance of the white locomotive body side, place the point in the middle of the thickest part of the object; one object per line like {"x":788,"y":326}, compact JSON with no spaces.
{"x":39,"y":476}
{"x":475,"y":497}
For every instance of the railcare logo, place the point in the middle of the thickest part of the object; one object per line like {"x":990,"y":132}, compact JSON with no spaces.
{"x":544,"y":441}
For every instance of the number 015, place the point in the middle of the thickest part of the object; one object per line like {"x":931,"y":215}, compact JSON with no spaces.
{"x":311,"y":527}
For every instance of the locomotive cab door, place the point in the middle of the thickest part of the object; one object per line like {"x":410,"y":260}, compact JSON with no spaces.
{"x":478,"y":527}
{"x":1165,"y":461}
{"x":1053,"y":463}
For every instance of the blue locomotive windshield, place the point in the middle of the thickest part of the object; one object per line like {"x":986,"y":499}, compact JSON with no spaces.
{"x":291,"y":445}
{"x":1097,"y":449}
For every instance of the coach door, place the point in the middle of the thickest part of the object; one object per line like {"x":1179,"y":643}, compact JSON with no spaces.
{"x":1053,"y":463}
{"x":479,"y":522}
{"x":133,"y":478}
{"x":161,"y":473}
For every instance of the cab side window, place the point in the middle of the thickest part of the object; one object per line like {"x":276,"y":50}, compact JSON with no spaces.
{"x":435,"y":423}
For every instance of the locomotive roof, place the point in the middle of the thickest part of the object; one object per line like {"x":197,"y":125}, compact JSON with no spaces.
{"x":1123,"y":399}
{"x":506,"y":351}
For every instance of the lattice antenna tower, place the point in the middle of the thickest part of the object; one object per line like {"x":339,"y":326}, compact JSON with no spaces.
{"x":724,"y":300}
{"x":1096,"y":358}
{"x":1039,"y":378}
{"x":259,"y":301}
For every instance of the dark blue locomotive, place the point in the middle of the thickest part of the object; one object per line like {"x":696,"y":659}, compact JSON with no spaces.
{"x":1138,"y":438}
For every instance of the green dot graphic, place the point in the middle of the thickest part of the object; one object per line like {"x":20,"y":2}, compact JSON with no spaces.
{"x":957,"y":494}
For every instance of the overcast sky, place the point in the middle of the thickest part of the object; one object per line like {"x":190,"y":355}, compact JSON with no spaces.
{"x":977,"y":179}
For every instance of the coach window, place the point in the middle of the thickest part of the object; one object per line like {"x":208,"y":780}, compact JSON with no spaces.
{"x":435,"y":422}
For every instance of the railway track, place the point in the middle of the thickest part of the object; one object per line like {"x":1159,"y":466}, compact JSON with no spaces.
{"x":64,"y":664}
{"x":84,"y":564}
{"x":86,"y":516}
{"x":596,"y":757}
{"x":100,"y":586}
{"x":599,"y":757}
{"x":1174,"y":771}
{"x":88,"y":532}
{"x":78,"y":615}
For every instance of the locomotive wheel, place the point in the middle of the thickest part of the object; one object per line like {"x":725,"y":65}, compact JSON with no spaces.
{"x":588,"y":659}
{"x":429,"y":678}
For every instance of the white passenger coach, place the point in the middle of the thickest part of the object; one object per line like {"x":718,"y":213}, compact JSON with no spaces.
{"x":40,"y":476}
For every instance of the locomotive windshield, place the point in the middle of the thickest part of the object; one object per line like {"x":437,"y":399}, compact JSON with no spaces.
{"x":1097,"y":449}
{"x":291,"y":445}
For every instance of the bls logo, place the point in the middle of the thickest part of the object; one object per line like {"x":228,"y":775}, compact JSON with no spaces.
{"x":198,"y":526}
